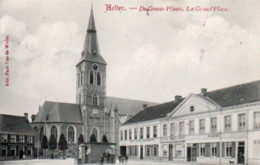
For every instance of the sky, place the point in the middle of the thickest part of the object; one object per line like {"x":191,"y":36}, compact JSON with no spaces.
{"x":151,"y":56}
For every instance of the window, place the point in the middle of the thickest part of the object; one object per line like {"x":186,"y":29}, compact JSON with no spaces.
{"x":21,"y":138}
{"x":135,"y":133}
{"x":202,"y":126}
{"x":155,"y":131}
{"x":29,"y":151}
{"x":141,"y":133}
{"x":228,"y":149}
{"x":54,"y":131}
{"x":78,"y":79}
{"x":213,"y":125}
{"x":181,"y":128}
{"x":202,"y":150}
{"x":147,"y":132}
{"x":214,"y":149}
{"x":13,"y":138}
{"x":155,"y":150}
{"x":98,"y":79}
{"x":91,"y":77}
{"x":41,"y":133}
{"x":3,"y":151}
{"x":12,"y":151}
{"x":165,"y":150}
{"x":257,"y":120}
{"x":192,"y":108}
{"x":79,"y":98}
{"x":30,"y":139}
{"x":172,"y":129}
{"x":191,"y":130}
{"x":125,"y":134}
{"x":95,"y":99}
{"x":227,"y":123}
{"x":71,"y":134}
{"x":4,"y":138}
{"x":121,"y":132}
{"x":147,"y":150}
{"x":241,"y":122}
{"x":165,"y":130}
{"x":130,"y":134}
{"x":81,"y":78}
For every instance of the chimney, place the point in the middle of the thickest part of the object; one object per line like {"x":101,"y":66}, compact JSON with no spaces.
{"x":26,"y":116}
{"x":178,"y":98}
{"x":203,"y":90}
{"x":33,"y":117}
{"x":144,"y":106}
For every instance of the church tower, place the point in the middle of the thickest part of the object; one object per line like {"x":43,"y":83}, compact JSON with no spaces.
{"x":91,"y":86}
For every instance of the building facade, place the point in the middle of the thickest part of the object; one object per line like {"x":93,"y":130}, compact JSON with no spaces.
{"x":94,"y":115}
{"x":217,"y":127}
{"x":16,"y":137}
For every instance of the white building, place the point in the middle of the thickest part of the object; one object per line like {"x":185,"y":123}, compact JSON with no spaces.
{"x":216,"y":127}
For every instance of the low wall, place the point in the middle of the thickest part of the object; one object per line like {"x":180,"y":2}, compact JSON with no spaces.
{"x":39,"y":162}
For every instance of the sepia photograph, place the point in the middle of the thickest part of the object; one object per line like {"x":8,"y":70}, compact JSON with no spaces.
{"x":137,"y":82}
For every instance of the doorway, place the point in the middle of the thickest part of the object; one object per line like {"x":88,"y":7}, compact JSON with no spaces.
{"x":123,"y":150}
{"x":241,"y":153}
{"x":170,"y":151}
{"x":192,"y":153}
{"x":141,"y":152}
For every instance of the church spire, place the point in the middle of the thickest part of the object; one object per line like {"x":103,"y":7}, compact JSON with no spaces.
{"x":91,"y":24}
{"x":91,"y":50}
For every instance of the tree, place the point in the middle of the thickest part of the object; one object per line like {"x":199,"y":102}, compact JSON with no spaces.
{"x":44,"y":143}
{"x":81,"y":139}
{"x":63,"y":145}
{"x":93,"y":138}
{"x":104,"y":139}
{"x":52,"y":144}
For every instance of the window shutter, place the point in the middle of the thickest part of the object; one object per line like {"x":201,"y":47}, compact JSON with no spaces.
{"x":223,"y":149}
{"x":233,"y":149}
{"x":17,"y":150}
{"x":198,"y":150}
{"x":8,"y":150}
{"x":8,"y":138}
{"x":218,"y":149}
{"x":25,"y":138}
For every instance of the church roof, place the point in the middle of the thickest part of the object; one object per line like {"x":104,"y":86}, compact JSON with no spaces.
{"x":71,"y":113}
{"x":226,"y":97}
{"x":59,"y":112}
{"x":91,"y":51}
{"x":10,"y":124}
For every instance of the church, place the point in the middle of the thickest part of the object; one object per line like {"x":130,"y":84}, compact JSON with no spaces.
{"x":94,"y":115}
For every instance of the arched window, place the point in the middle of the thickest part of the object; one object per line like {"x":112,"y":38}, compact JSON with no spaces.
{"x":71,"y":134}
{"x":98,"y":79}
{"x":41,"y":133}
{"x":54,"y":131}
{"x":95,"y":99}
{"x":91,"y":77}
{"x":81,"y":78}
{"x":78,"y":79}
{"x":94,"y":136}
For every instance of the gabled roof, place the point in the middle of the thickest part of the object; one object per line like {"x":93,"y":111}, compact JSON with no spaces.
{"x":236,"y":95}
{"x":59,"y":112}
{"x":10,"y":124}
{"x":154,"y":112}
{"x":226,"y":97}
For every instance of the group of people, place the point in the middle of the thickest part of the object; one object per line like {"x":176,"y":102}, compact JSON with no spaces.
{"x":123,"y":159}
{"x":107,"y":158}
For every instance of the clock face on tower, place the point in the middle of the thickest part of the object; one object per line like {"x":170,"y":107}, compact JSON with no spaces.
{"x":95,"y":67}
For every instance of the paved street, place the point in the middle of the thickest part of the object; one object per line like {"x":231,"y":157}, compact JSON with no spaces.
{"x":71,"y":162}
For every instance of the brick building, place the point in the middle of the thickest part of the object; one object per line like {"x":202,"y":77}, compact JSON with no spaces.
{"x":16,"y":137}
